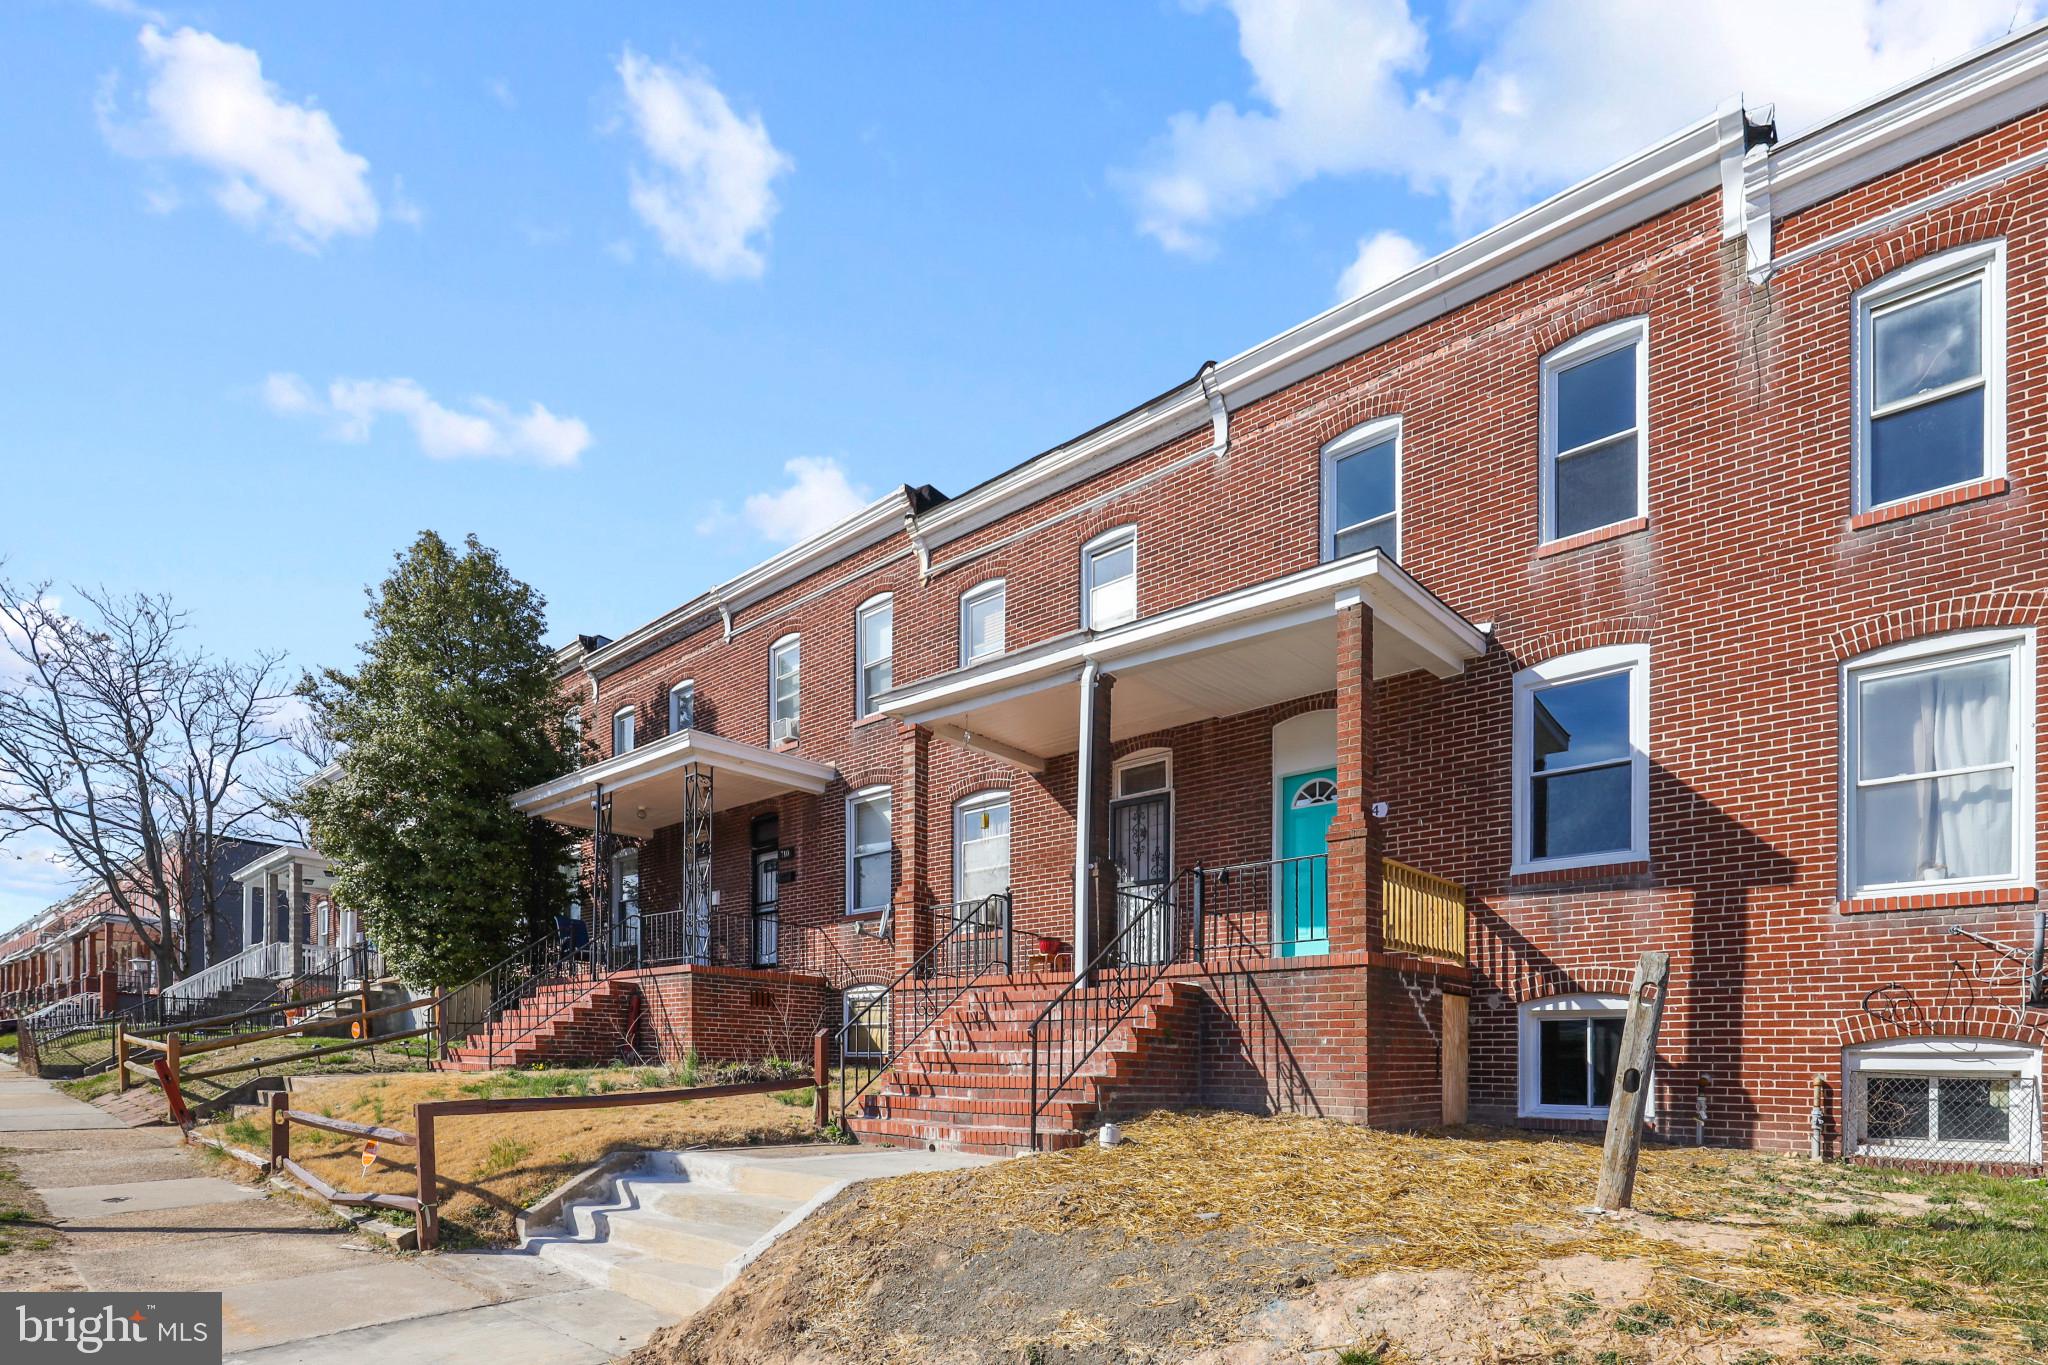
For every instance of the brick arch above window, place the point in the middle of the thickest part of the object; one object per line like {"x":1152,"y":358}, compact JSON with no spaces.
{"x":1909,"y":1017}
{"x":2000,"y":608}
{"x":1528,"y":983}
{"x":1963,"y":225}
{"x":1344,"y":413}
{"x":1614,"y":302}
{"x":1541,"y":646}
{"x":870,"y":775}
{"x":995,"y":780}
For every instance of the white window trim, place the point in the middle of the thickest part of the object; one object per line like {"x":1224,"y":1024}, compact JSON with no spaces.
{"x":853,"y":800}
{"x":1350,"y":443}
{"x":966,"y":806}
{"x":1914,"y":656}
{"x":1589,"y":346}
{"x":1949,"y":267}
{"x":1938,"y":1056}
{"x":796,"y":692}
{"x":1142,"y":759}
{"x":249,"y":895}
{"x":1529,"y":1048}
{"x":990,"y":588}
{"x":1591,"y":663}
{"x":863,"y":704}
{"x":687,"y":687}
{"x":633,"y":731}
{"x":1108,"y":540}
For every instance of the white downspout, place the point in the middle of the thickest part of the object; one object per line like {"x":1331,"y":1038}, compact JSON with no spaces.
{"x":1084,"y":801}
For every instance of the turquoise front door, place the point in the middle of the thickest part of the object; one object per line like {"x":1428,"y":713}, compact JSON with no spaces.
{"x":1301,"y":881}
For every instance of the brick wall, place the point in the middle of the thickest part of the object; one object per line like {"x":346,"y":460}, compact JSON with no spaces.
{"x":1749,"y":580}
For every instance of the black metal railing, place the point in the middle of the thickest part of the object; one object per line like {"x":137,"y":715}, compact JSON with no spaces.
{"x":1156,"y":929}
{"x":1278,"y":907}
{"x":515,"y":996}
{"x":973,"y":939}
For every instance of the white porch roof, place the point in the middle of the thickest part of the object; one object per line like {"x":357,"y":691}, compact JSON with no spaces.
{"x":315,"y":873}
{"x":646,"y":785}
{"x":1235,"y":652}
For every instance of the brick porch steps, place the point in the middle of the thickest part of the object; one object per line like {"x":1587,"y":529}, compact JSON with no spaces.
{"x":966,"y":1085}
{"x":578,"y":1023}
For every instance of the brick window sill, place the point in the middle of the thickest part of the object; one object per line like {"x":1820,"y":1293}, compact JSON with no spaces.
{"x":1560,"y":875}
{"x":1593,"y":537}
{"x":1940,"y":900}
{"x":1931,"y":502}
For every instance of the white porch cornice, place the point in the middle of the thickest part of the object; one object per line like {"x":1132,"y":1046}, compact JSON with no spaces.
{"x":741,"y":773}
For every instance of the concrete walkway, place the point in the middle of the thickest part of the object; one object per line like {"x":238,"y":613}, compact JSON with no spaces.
{"x":138,"y":1212}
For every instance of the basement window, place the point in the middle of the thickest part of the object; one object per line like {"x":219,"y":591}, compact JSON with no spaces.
{"x":1569,"y":1048}
{"x":867,"y":1023}
{"x":1595,"y":430}
{"x":1942,"y":1099}
{"x":1929,"y":365}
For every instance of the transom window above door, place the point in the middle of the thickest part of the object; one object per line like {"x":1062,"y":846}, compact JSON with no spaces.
{"x":1938,"y":762}
{"x":1930,"y":370}
{"x":1362,"y":490}
{"x":1595,"y":429}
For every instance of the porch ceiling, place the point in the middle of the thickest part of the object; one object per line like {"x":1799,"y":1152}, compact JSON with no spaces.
{"x":646,"y":785}
{"x":1237,"y":652}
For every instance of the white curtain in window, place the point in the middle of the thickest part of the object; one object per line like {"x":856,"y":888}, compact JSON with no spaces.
{"x":1940,"y":828}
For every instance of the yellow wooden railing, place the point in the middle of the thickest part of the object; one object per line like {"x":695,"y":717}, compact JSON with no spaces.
{"x":1423,"y":915}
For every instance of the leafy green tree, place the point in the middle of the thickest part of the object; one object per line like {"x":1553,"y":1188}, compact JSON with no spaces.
{"x":452,"y":710}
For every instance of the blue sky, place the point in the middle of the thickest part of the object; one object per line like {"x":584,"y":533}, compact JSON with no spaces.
{"x":640,"y":293}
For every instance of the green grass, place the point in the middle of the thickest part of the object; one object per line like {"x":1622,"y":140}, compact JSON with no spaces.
{"x":10,"y":1042}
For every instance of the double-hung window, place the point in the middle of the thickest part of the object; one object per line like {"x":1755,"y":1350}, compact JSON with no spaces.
{"x":1109,"y":579}
{"x":782,"y":690}
{"x":981,"y":622}
{"x":1938,"y":758}
{"x":1596,"y":430}
{"x":682,"y":707}
{"x":1581,"y":746}
{"x":572,"y":735}
{"x":622,"y":731}
{"x":869,"y":853}
{"x":1568,"y":1049}
{"x":874,"y":644}
{"x":1362,"y":490}
{"x":1930,"y":370}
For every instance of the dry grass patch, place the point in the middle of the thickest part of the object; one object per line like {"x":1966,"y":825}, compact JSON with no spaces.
{"x":493,"y":1165}
{"x":1293,"y":1238}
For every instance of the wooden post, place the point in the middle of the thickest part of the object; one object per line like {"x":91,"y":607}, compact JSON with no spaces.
{"x":820,"y":1079}
{"x":1631,"y":1097}
{"x":172,"y":1060}
{"x":121,"y":1057}
{"x":280,"y":1131}
{"x":429,"y":1217}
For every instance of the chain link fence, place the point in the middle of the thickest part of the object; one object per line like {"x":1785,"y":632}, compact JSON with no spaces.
{"x":1952,"y":1118}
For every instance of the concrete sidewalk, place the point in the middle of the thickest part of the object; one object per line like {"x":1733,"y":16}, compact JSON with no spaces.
{"x":137,"y":1211}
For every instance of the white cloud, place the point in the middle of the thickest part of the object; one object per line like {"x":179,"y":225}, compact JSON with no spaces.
{"x":1558,"y":89}
{"x":1381,"y":257}
{"x":817,"y":497}
{"x":488,"y":430}
{"x":707,"y":186}
{"x":276,"y":164}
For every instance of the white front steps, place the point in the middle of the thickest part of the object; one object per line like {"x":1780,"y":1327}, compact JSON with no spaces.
{"x":675,"y":1229}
